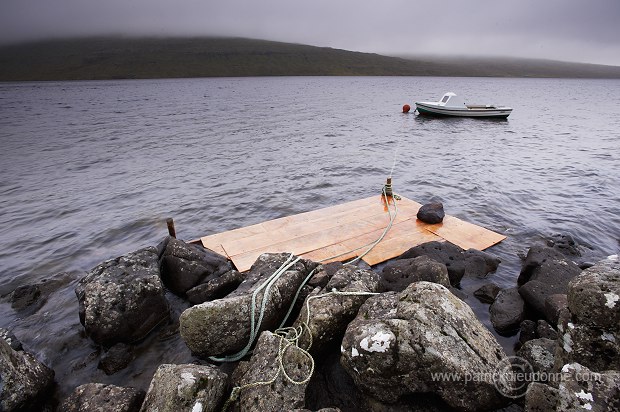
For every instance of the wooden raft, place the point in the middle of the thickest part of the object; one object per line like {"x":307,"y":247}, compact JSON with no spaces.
{"x":324,"y":233}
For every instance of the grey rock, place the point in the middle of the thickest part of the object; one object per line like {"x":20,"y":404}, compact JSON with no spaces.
{"x":458,"y":261}
{"x":117,"y":358}
{"x":222,"y":326}
{"x":487,"y":293}
{"x":541,"y":398}
{"x":590,"y":330}
{"x":24,"y":381}
{"x":581,"y":389}
{"x":431,"y":213}
{"x":554,"y":305}
{"x":122,"y":300}
{"x":400,"y":273}
{"x":527,"y":331}
{"x":545,"y":330}
{"x":98,"y":397}
{"x":507,"y":311}
{"x":217,"y":288}
{"x":264,"y":365}
{"x":540,"y":355}
{"x":399,"y":340}
{"x":186,"y":388}
{"x":330,"y":314}
{"x":186,"y":265}
{"x":11,"y":339}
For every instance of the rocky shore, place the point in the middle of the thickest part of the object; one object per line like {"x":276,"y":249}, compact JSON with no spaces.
{"x":291,"y":334}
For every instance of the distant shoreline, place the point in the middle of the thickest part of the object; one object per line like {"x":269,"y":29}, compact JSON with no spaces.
{"x":116,"y":58}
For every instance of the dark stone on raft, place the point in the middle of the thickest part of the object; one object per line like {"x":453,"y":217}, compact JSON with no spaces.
{"x":117,"y":358}
{"x":487,"y":293}
{"x":507,"y":311}
{"x":400,"y":273}
{"x":122,"y":299}
{"x":185,"y":266}
{"x":431,"y":213}
{"x":217,"y":288}
{"x":100,"y":397}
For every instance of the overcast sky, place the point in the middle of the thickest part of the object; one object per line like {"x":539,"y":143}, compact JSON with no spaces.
{"x":571,"y":30}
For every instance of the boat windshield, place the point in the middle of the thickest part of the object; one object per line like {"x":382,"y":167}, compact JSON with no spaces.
{"x":445,"y":99}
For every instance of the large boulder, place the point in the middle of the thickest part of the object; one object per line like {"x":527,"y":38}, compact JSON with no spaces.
{"x":122,"y":300}
{"x":24,"y":381}
{"x":186,"y":265}
{"x":590,"y":331}
{"x":223,"y":326}
{"x":98,"y":397}
{"x":544,"y":273}
{"x":276,"y":377}
{"x":507,"y":311}
{"x":458,"y":261}
{"x":331,"y":309}
{"x":400,"y":273}
{"x":186,"y":388}
{"x":578,"y":389}
{"x":401,"y":342}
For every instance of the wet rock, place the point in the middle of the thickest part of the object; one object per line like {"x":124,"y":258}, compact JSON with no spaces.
{"x":217,"y":288}
{"x":540,"y":355}
{"x":24,"y":381}
{"x":400,"y":273}
{"x":122,"y":300}
{"x":281,"y":394}
{"x":399,"y":341}
{"x":11,"y":339}
{"x":98,"y":397}
{"x":590,"y":333}
{"x":330,"y":314}
{"x":25,"y":296}
{"x":554,"y":305}
{"x":431,"y":213}
{"x":117,"y":358}
{"x":186,"y":265}
{"x":186,"y":388}
{"x":545,"y":272}
{"x":507,"y":311}
{"x":527,"y":331}
{"x":487,"y":293}
{"x":579,"y":389}
{"x":458,"y":261}
{"x":564,"y":244}
{"x":544,"y":330}
{"x":223,"y":326}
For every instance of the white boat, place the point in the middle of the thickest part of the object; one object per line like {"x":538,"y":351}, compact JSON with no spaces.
{"x":453,"y":105}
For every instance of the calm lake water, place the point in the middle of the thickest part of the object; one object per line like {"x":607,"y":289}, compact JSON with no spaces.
{"x":91,"y":170}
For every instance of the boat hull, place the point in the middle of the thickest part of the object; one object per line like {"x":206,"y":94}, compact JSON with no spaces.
{"x":497,"y":113}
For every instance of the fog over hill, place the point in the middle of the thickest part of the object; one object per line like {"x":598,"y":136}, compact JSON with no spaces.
{"x":175,"y":57}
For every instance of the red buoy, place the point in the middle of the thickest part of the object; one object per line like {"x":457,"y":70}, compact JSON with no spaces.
{"x":406,"y":108}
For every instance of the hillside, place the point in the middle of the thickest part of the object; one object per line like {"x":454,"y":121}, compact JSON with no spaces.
{"x":131,"y":58}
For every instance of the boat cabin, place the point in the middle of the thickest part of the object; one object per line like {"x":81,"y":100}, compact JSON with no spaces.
{"x":451,"y":100}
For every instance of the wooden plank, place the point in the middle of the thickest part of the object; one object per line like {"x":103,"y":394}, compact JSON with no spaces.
{"x":465,"y":234}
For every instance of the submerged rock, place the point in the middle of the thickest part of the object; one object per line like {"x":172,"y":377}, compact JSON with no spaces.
{"x":185,"y":266}
{"x":487,"y":293}
{"x":122,"y":300}
{"x":186,"y":388}
{"x":25,"y":296}
{"x":24,"y":381}
{"x":98,"y":397}
{"x":400,"y":341}
{"x":223,"y":326}
{"x":400,"y":273}
{"x":117,"y":358}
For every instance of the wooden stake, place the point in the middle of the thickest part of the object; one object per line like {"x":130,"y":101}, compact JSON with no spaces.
{"x":171,"y":231}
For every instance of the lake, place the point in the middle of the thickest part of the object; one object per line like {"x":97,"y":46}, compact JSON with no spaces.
{"x":90,"y":171}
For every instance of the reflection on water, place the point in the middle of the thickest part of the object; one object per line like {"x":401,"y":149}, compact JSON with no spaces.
{"x":91,"y":170}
